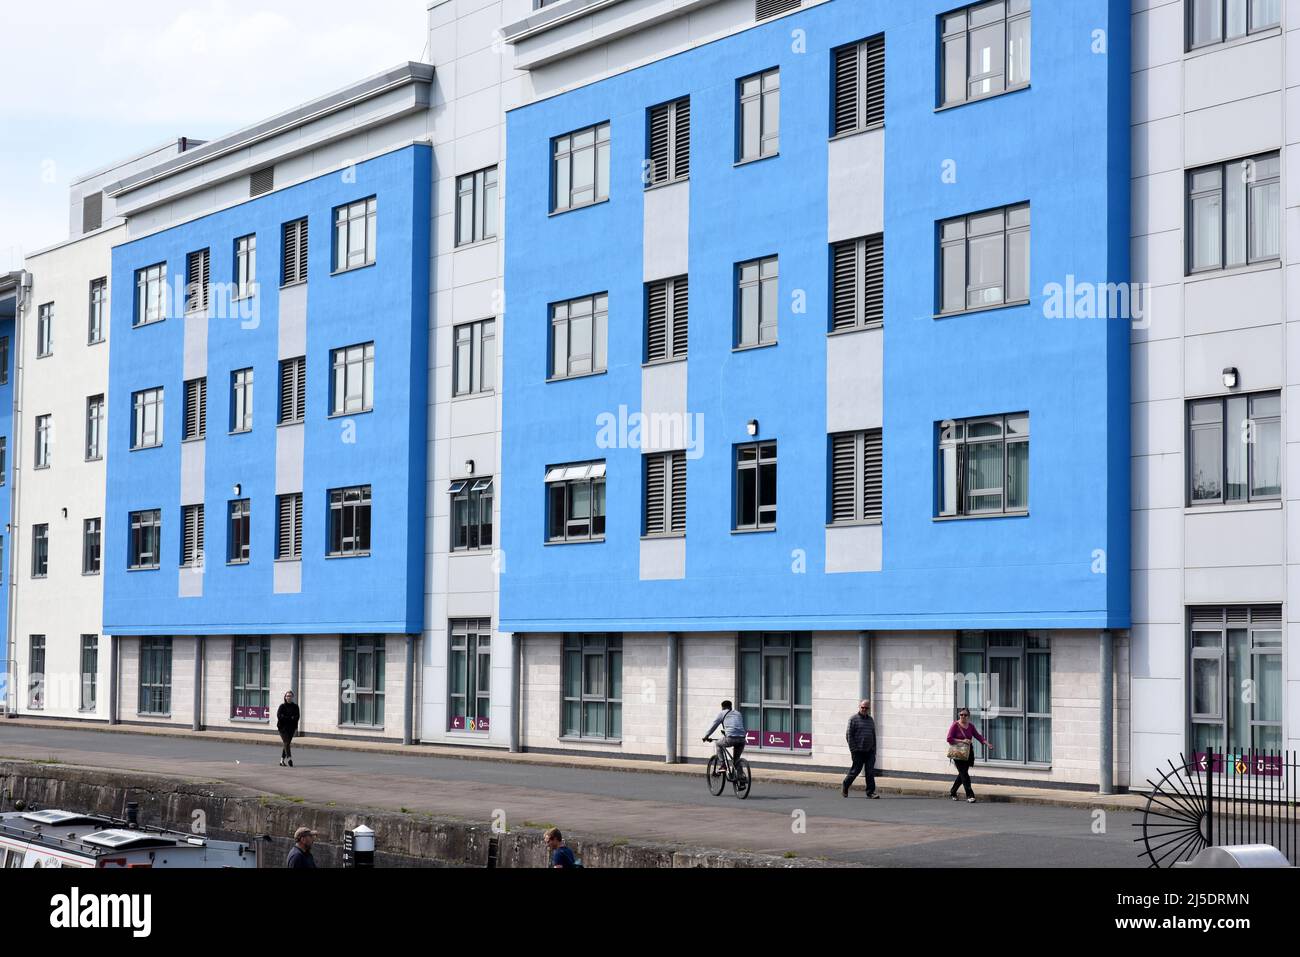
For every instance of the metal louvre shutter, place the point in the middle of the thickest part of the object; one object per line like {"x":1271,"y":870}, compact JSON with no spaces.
{"x":196,"y":408}
{"x":261,"y":181}
{"x":763,"y":9}
{"x":293,"y":389}
{"x":844,"y":294}
{"x":192,"y":534}
{"x":654,"y":495}
{"x":846,"y":89}
{"x":682,"y":146}
{"x":873,"y":295}
{"x":679,"y":492}
{"x":1267,"y":615}
{"x":660,"y":170}
{"x":92,"y":212}
{"x":681,"y":297}
{"x":656,"y":344}
{"x":874,"y":107}
{"x":843,"y":468}
{"x":198,"y":274}
{"x":294,"y":263}
{"x":872,"y":475}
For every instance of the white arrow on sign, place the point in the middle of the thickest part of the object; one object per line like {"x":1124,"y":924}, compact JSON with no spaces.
{"x":802,"y":740}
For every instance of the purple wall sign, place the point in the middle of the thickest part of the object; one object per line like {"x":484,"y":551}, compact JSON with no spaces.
{"x":803,"y":741}
{"x":244,"y":711}
{"x":461,"y":723}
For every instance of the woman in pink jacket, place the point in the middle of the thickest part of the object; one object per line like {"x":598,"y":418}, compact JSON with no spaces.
{"x":963,"y":730}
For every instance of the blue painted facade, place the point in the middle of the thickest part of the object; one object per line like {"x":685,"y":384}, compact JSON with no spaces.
{"x":388,"y":303}
{"x":1062,"y":145}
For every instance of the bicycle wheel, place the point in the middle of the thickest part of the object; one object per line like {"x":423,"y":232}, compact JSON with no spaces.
{"x":744,"y":782}
{"x":717,"y":778}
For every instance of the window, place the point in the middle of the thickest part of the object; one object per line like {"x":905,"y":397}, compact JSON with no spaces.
{"x":191,"y":536}
{"x":349,"y":521}
{"x":986,"y":50}
{"x":579,"y":336}
{"x":471,"y":514}
{"x":475,"y":363}
{"x":1006,"y":681}
{"x":759,"y":116}
{"x":774,"y":682}
{"x":856,"y":477}
{"x":245,"y":266}
{"x":98,"y":311}
{"x":984,"y":259}
{"x":241,"y":400}
{"x":155,"y":676}
{"x":150,"y":294}
{"x":476,"y":206}
{"x":288,"y":527}
{"x":36,"y":677}
{"x":1234,"y":446}
{"x":755,"y":486}
{"x":94,"y":428}
{"x":1235,"y":687}
{"x":196,"y":408}
{"x":146,"y":537}
{"x":354,"y":235}
{"x":1214,"y":21}
{"x":45,"y":330}
{"x":353,"y":388}
{"x":666,"y":319}
{"x":857,"y":283}
{"x":4,"y":457}
{"x":89,"y":672}
{"x":593,"y":686}
{"x":44,"y":438}
{"x":1234,"y":214}
{"x":240,"y":528}
{"x":198,"y":276}
{"x":665,"y":494}
{"x":668,"y":142}
{"x":575,"y":502}
{"x":92,"y":543}
{"x":470,"y":681}
{"x":293,"y":389}
{"x":4,"y":360}
{"x":251,"y":679}
{"x":858,"y":86}
{"x":293,"y":262}
{"x":362,"y":701}
{"x":756,"y":302}
{"x":40,"y":551}
{"x":580,"y":168}
{"x":147,"y":418}
{"x":984,"y":466}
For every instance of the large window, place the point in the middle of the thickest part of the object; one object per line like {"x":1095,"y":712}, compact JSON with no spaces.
{"x":36,"y":674}
{"x":251,"y":679}
{"x":1234,"y":213}
{"x":196,"y":409}
{"x":4,"y":360}
{"x":198,"y":280}
{"x":146,"y":537}
{"x":354,"y":235}
{"x":155,"y":676}
{"x":986,"y":50}
{"x":352,"y":388}
{"x":758,"y":116}
{"x":580,"y":168}
{"x":668,"y":142}
{"x":1234,"y":449}
{"x":579,"y":336}
{"x":593,"y":687}
{"x":361,"y":702}
{"x":147,"y":418}
{"x":575,"y":502}
{"x":1006,"y":681}
{"x":4,"y":457}
{"x":666,"y":319}
{"x":476,"y":206}
{"x":40,"y":550}
{"x":98,"y":311}
{"x":469,"y":684}
{"x":1214,"y":21}
{"x":191,"y":536}
{"x":241,"y":400}
{"x":857,"y":283}
{"x":94,"y":428}
{"x":857,"y":476}
{"x":983,"y":466}
{"x":245,"y":266}
{"x":756,"y":302}
{"x":293,"y":389}
{"x":984,"y":259}
{"x":475,"y":362}
{"x":665,"y":494}
{"x":44,"y":441}
{"x":89,"y":672}
{"x":240,"y":528}
{"x":150,"y":294}
{"x":293,"y":258}
{"x":755,"y":486}
{"x":774,"y":682}
{"x":288,"y":527}
{"x":1236,"y":685}
{"x":471,"y":514}
{"x":92,"y":543}
{"x":349,"y":521}
{"x":858,"y":86}
{"x":45,"y":330}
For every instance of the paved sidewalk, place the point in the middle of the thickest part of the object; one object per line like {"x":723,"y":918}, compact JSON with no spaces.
{"x":1043,"y":797}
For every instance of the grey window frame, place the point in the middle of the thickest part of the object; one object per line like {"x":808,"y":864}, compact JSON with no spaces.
{"x":194,"y":423}
{"x":954,"y":435}
{"x":98,"y":313}
{"x":245,"y":266}
{"x":361,"y":214}
{"x":239,"y":531}
{"x":41,"y":550}
{"x":293,"y":390}
{"x":142,"y":401}
{"x":667,"y":319}
{"x":566,"y":156}
{"x":859,"y":263}
{"x":151,"y":295}
{"x":963,"y":242}
{"x":742,"y":467}
{"x":241,"y":400}
{"x":346,"y":506}
{"x":787,"y":645}
{"x":564,"y":479}
{"x":350,"y":363}
{"x":1247,"y":13}
{"x":481,"y":190}
{"x":154,"y":678}
{"x":562,"y":319}
{"x":470,"y":347}
{"x":1221,"y":426}
{"x":288,"y":535}
{"x":668,"y":142}
{"x":43,"y":451}
{"x":664,"y":494}
{"x":472,"y":502}
{"x":36,"y":648}
{"x":858,"y":85}
{"x":1219,"y":194}
{"x":1031,"y":643}
{"x":606,"y":649}
{"x":1013,"y":12}
{"x":92,"y":546}
{"x":89,"y":666}
{"x":768,"y":329}
{"x":768,"y":98}
{"x":469,"y":659}
{"x":372,"y":692}
{"x":145,"y":527}
{"x":45,"y":330}
{"x":861,"y":454}
{"x":250,"y":677}
{"x":293,"y":252}
{"x":192,"y":533}
{"x":94,"y":428}
{"x":1201,"y":620}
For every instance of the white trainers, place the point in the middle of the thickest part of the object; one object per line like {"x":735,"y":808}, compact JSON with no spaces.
{"x":970,"y":800}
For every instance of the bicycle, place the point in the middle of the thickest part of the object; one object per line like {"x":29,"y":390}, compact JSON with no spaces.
{"x":737,"y":772}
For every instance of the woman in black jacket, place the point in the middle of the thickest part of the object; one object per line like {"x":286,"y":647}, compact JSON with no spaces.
{"x":286,"y":720}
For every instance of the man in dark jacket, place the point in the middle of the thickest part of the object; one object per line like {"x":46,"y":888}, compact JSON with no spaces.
{"x":286,"y":722}
{"x":300,"y":853}
{"x":861,"y":736}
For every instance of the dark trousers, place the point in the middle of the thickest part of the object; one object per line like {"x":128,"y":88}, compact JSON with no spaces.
{"x":963,"y":776}
{"x":287,"y":751}
{"x":863,"y":762}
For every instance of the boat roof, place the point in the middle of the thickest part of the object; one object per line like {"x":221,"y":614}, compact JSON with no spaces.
{"x":89,"y":834}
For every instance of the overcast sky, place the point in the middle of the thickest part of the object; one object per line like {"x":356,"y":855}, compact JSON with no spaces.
{"x":83,"y":84}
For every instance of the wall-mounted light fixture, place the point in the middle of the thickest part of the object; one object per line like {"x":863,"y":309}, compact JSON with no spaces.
{"x":65,"y":513}
{"x":1230,"y":377}
{"x":469,"y":466}
{"x":237,"y":489}
{"x":752,"y":427}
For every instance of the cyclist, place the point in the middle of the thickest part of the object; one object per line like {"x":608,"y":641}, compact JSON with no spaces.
{"x":733,"y":734}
